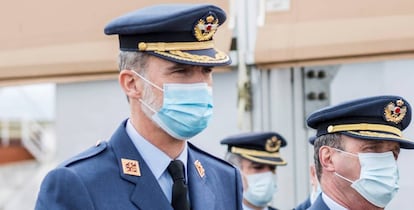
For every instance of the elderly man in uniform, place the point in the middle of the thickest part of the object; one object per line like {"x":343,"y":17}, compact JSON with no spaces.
{"x":166,"y":58}
{"x":356,"y":150}
{"x":257,"y":155}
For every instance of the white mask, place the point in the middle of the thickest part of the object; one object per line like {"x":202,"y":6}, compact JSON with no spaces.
{"x":261,"y":188}
{"x":378,"y":181}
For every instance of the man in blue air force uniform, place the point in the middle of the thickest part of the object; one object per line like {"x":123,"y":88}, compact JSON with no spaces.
{"x":257,"y":156}
{"x":166,"y":60}
{"x":356,"y":147}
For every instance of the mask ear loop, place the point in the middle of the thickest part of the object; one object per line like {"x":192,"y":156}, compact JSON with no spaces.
{"x":146,"y":80}
{"x":146,"y":105}
{"x":152,"y":84}
{"x":347,"y":153}
{"x":344,"y":178}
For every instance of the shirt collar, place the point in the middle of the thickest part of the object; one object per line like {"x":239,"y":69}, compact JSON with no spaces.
{"x":331,"y":203}
{"x":148,"y":151}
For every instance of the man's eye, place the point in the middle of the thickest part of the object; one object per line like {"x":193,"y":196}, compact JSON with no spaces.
{"x":258,"y":167}
{"x":178,"y":70}
{"x":207,"y":70}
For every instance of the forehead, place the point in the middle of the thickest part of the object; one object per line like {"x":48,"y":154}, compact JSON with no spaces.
{"x":158,"y":64}
{"x":155,"y":62}
{"x":248,"y":163}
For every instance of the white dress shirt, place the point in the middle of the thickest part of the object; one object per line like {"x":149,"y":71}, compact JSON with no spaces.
{"x":331,"y":203}
{"x":156,"y":159}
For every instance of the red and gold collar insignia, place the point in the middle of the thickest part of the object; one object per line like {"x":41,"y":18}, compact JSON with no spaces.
{"x":199,"y":168}
{"x":130,"y":167}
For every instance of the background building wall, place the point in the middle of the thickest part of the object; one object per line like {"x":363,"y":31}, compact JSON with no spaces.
{"x":88,"y":112}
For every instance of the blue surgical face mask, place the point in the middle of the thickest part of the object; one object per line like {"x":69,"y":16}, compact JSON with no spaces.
{"x":261,"y":188}
{"x":378,"y":181}
{"x":186,"y":108}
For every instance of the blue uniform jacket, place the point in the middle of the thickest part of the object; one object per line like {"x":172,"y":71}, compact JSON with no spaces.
{"x":319,"y":204}
{"x":94,"y":180}
{"x":304,"y":205}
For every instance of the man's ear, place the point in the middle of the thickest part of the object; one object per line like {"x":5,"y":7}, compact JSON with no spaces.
{"x":130,"y":84}
{"x":326,"y":158}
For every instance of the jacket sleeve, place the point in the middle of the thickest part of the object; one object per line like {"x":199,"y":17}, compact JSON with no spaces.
{"x":239,"y":190}
{"x":64,"y":190}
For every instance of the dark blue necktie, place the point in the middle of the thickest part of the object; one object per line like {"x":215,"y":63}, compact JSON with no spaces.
{"x":179,"y":189}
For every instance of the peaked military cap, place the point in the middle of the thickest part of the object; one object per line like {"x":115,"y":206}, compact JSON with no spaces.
{"x":371,"y":118}
{"x":261,"y":147}
{"x":181,"y":33}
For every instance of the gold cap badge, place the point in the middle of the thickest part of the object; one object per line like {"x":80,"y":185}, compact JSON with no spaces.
{"x":205,"y":28}
{"x":199,"y":168}
{"x":130,"y":167}
{"x":395,"y":112}
{"x":273,"y":144}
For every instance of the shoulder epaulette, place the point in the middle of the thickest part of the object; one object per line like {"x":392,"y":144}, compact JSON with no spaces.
{"x":92,"y":151}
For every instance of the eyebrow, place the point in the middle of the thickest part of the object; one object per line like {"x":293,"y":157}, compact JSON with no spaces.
{"x":187,"y":66}
{"x":375,"y":143}
{"x":254,"y":164}
{"x":179,"y":65}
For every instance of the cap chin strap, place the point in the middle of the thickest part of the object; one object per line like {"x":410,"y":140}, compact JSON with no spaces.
{"x":170,"y":46}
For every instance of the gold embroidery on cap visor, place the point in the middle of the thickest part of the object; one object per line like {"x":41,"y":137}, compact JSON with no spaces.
{"x":254,"y":154}
{"x":220,"y":57}
{"x":395,"y":113}
{"x":269,"y":162}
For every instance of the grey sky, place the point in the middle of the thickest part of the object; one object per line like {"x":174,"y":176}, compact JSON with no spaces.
{"x":29,"y":101}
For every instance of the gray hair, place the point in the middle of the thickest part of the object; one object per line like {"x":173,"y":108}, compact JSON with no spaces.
{"x":331,"y":140}
{"x":234,"y":159}
{"x":136,"y":61}
{"x":132,"y":61}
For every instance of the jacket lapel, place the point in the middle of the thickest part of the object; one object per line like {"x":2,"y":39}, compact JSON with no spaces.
{"x":319,"y":204}
{"x":202,"y":196}
{"x":147,"y":193}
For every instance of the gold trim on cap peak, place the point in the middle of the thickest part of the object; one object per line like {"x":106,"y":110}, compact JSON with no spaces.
{"x":270,"y":162}
{"x":220,"y":57}
{"x":242,"y":151}
{"x":364,"y":127}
